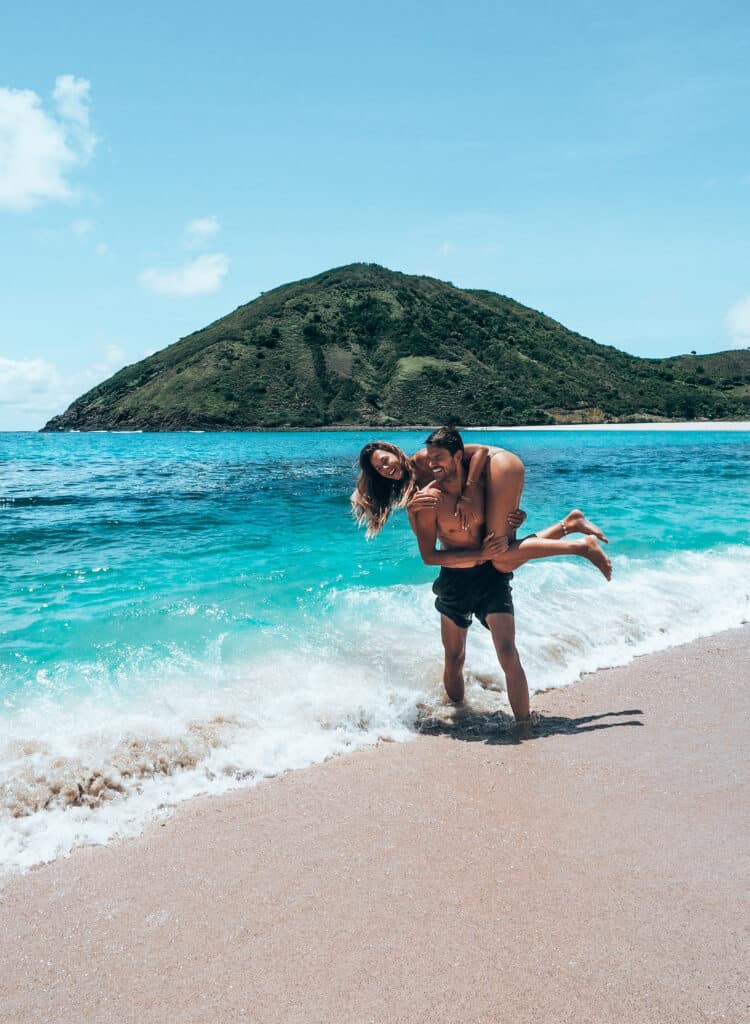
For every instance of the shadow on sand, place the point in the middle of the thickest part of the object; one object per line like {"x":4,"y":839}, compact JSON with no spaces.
{"x":465,"y":723}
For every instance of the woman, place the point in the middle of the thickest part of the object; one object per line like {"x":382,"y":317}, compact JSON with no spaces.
{"x":389,"y":478}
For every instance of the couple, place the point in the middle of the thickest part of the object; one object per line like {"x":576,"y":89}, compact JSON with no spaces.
{"x":466,"y":497}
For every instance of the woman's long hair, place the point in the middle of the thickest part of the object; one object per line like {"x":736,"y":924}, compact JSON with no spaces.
{"x":374,"y":495}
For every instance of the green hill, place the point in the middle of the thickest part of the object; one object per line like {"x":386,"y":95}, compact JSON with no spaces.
{"x":362,"y":345}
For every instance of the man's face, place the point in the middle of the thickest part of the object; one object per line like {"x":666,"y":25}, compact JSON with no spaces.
{"x":443,"y":465}
{"x":386,"y":464}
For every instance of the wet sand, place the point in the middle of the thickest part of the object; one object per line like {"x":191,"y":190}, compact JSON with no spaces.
{"x":598,"y":872}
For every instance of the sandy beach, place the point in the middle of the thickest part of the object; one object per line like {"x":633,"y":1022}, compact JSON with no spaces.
{"x":597,"y":872}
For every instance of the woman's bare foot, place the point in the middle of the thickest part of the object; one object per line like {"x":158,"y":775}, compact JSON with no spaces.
{"x":576,"y":522}
{"x":591,"y":549}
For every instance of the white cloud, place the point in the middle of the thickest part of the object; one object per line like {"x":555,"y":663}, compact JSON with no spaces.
{"x":39,"y":150}
{"x":33,"y":390}
{"x":738,"y":323}
{"x":71,"y":96}
{"x":201,"y":229}
{"x":102,"y":249}
{"x":81,"y":228}
{"x":196,"y":277}
{"x":27,"y":382}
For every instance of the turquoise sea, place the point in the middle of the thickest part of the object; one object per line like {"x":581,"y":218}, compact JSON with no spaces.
{"x":185,"y":613}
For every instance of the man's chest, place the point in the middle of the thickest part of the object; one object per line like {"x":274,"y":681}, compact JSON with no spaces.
{"x":449,"y":526}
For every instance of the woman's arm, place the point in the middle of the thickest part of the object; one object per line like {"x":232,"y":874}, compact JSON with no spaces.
{"x":477,"y":454}
{"x":468,"y":510}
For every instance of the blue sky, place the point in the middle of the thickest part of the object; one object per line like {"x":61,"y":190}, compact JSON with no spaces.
{"x":162,"y":164}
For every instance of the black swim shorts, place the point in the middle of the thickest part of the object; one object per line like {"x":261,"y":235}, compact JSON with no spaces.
{"x":480,"y":591}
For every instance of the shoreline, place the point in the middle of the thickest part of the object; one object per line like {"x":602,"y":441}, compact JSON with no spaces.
{"x":594,"y":873}
{"x":675,"y":425}
{"x":688,"y":425}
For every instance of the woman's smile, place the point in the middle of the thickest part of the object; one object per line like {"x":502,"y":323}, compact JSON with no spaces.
{"x":386,"y":464}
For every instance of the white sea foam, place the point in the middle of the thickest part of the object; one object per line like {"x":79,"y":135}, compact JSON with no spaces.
{"x":79,"y":770}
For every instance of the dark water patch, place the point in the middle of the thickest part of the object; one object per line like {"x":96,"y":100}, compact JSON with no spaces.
{"x":40,"y":501}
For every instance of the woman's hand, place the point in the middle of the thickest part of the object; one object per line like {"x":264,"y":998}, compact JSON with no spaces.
{"x":516,"y":518}
{"x":466,"y":512}
{"x":428,"y":497}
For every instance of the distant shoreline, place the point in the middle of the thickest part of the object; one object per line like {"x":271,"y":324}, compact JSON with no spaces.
{"x":694,"y":425}
{"x":687,"y":425}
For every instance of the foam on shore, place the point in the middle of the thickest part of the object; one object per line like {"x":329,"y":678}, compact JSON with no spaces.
{"x":84,"y":767}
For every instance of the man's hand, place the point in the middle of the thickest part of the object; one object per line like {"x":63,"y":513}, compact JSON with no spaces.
{"x":516,"y":518}
{"x":428,"y":497}
{"x":494,"y":546}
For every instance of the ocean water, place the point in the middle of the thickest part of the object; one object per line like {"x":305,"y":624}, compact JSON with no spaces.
{"x":187,"y":613}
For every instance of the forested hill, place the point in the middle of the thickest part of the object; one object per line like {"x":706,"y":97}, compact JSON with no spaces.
{"x":362,"y":345}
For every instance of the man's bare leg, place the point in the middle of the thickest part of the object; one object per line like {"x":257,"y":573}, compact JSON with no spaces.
{"x":454,"y":645}
{"x":503,"y":630}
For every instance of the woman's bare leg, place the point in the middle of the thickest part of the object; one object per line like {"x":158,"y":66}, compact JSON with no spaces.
{"x":574,"y":522}
{"x":505,"y":479}
{"x":505,"y":476}
{"x":522,"y":551}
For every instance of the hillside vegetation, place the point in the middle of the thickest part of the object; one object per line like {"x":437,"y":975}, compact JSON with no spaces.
{"x":362,"y":345}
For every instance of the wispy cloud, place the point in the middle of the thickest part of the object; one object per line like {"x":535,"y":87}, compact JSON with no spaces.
{"x":71,"y":96}
{"x":39,"y":149}
{"x":196,"y":277}
{"x":33,"y":390}
{"x":738,"y":323}
{"x":201,"y":229}
{"x":27,"y":384}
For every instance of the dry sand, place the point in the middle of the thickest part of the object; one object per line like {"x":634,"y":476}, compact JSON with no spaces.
{"x":596,"y":873}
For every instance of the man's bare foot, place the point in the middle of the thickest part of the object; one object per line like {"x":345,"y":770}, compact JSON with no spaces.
{"x":525,"y":726}
{"x":592,"y":550}
{"x":576,"y":522}
{"x":531,"y":720}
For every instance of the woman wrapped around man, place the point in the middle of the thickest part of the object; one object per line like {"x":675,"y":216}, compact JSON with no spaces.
{"x":391,"y":479}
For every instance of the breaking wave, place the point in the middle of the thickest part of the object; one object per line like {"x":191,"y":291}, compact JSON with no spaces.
{"x":85,"y":765}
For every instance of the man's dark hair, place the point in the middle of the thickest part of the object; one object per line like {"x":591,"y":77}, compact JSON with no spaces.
{"x":446,"y":437}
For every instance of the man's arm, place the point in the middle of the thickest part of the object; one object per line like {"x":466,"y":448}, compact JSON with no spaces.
{"x":424,"y":525}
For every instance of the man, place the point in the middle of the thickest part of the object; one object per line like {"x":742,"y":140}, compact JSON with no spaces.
{"x":468,"y":583}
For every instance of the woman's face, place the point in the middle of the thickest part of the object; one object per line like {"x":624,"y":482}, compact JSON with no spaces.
{"x":386,"y":464}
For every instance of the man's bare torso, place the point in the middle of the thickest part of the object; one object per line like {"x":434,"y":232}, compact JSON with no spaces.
{"x":449,"y":530}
